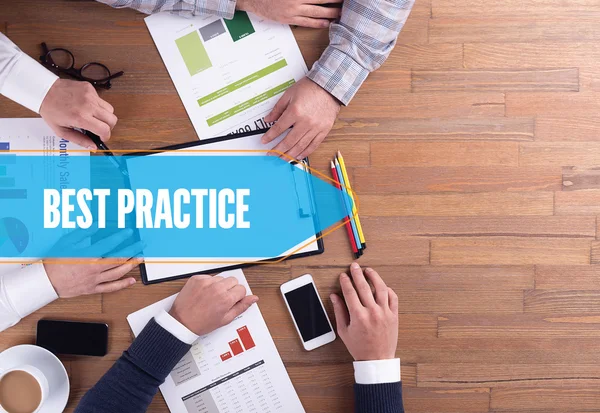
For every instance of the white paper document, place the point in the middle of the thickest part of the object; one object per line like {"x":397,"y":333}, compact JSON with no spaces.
{"x":228,"y":73}
{"x":34,"y":135}
{"x":233,"y":369}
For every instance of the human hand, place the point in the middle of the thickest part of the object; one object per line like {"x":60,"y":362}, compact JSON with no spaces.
{"x":97,"y":275}
{"x":368,"y":322}
{"x":206,"y":303}
{"x":311,"y":110}
{"x":307,"y":13}
{"x":71,"y":104}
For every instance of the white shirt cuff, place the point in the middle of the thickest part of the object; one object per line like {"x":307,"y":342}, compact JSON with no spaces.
{"x":28,"y":83}
{"x":377,"y":371}
{"x":29,"y":289}
{"x":181,"y":332}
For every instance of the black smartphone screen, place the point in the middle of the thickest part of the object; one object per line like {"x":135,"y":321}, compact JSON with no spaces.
{"x":71,"y":337}
{"x":308,"y":312}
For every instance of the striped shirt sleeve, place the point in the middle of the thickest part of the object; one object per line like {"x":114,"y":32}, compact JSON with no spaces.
{"x":186,"y":8}
{"x":359,"y":44}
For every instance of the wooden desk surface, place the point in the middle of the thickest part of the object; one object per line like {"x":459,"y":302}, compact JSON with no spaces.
{"x":474,"y":151}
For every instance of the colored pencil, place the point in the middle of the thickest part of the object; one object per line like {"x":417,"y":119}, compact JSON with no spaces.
{"x":348,"y":226}
{"x":363,"y":241}
{"x":348,"y":206}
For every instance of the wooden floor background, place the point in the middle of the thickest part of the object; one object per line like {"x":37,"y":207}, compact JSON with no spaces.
{"x":475,"y":152}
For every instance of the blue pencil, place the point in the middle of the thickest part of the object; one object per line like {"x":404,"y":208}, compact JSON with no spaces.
{"x":348,"y":206}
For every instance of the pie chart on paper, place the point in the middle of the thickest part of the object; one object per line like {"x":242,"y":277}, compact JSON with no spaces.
{"x":14,"y":237}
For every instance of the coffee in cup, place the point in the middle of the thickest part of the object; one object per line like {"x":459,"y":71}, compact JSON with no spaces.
{"x":22,"y":390}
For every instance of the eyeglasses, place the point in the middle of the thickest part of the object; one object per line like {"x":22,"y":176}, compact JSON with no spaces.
{"x":63,"y":61}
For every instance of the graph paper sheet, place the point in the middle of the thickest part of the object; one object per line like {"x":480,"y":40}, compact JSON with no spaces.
{"x":233,"y":369}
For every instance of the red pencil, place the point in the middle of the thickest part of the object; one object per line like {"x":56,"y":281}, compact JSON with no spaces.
{"x":338,"y":185}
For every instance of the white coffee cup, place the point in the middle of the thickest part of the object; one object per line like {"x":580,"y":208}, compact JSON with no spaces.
{"x":37,"y":375}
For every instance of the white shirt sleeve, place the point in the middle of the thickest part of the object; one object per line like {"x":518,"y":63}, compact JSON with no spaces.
{"x":22,"y":78}
{"x":23,"y":291}
{"x":377,"y":371}
{"x":181,"y":332}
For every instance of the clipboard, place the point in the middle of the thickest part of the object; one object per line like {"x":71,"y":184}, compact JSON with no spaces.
{"x":302,"y":210}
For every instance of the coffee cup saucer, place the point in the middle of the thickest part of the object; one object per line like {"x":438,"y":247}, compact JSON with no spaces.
{"x":49,"y":365}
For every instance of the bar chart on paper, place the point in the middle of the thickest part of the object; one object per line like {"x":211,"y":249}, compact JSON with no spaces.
{"x":234,"y":369}
{"x":229,"y":73}
{"x":8,"y":189}
{"x":14,"y":236}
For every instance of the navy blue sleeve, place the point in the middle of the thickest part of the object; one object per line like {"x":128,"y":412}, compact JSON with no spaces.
{"x":378,"y":398}
{"x":133,"y":380}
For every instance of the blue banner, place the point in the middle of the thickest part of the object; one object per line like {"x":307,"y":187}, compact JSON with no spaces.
{"x":168,"y":205}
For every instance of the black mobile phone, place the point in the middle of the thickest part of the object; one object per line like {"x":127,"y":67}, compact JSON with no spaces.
{"x":72,"y":337}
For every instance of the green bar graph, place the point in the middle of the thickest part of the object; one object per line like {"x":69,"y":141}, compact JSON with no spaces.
{"x":193,"y":53}
{"x":240,"y":26}
{"x":249,"y":103}
{"x":7,"y":182}
{"x":242,"y":82}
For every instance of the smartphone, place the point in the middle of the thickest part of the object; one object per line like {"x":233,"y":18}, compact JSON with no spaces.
{"x":307,"y":310}
{"x":72,"y":337}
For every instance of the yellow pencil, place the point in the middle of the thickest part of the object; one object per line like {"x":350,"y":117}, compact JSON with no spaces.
{"x":354,"y":209}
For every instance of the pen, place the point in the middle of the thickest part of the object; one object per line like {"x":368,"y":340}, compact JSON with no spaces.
{"x":363,"y":241}
{"x":348,"y":201}
{"x":347,"y":225}
{"x":102,"y":146}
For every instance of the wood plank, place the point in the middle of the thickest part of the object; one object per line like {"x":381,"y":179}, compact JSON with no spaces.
{"x":552,"y":104}
{"x":409,"y":375}
{"x":424,"y":56}
{"x":463,"y":29}
{"x":385,"y":248}
{"x":509,"y":251}
{"x":520,"y":54}
{"x":562,"y":301}
{"x":461,"y":302}
{"x":559,"y":277}
{"x":435,"y":129}
{"x":546,"y":399}
{"x":525,"y":326}
{"x":323,"y":386}
{"x":419,"y":400}
{"x":526,"y":8}
{"x":464,"y":375}
{"x":354,"y":155}
{"x":486,"y":203}
{"x":571,"y":128}
{"x":577,"y":202}
{"x":425,"y":277}
{"x":87,"y":304}
{"x":595,"y":260}
{"x":425,"y":105}
{"x":559,"y":154}
{"x":575,"y":179}
{"x":558,"y":80}
{"x":484,"y":226}
{"x":396,"y":180}
{"x":114,"y":30}
{"x":383,"y":81}
{"x":419,"y":304}
{"x":444,"y":154}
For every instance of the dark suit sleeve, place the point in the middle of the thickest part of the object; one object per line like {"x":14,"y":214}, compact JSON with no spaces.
{"x":378,"y":398}
{"x":133,"y":380}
